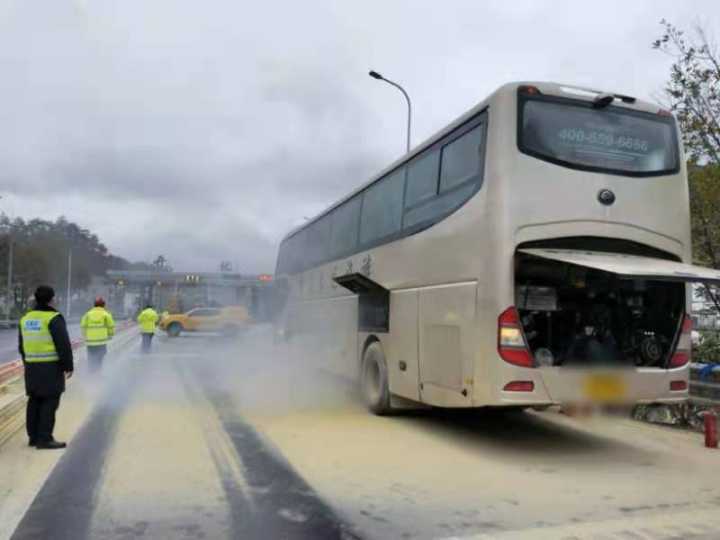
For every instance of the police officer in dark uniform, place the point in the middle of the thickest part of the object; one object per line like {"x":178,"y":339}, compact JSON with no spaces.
{"x":47,"y":356}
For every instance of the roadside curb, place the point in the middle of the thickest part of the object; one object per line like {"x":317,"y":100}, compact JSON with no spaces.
{"x":12,"y":405}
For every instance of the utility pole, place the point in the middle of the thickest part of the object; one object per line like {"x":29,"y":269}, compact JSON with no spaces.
{"x":9,"y":275}
{"x":67,"y":309}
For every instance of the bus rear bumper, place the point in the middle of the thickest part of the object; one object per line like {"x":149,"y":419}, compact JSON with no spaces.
{"x":558,"y":385}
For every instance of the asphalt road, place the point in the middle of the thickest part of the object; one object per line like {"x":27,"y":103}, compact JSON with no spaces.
{"x":207,"y":438}
{"x":8,"y":345}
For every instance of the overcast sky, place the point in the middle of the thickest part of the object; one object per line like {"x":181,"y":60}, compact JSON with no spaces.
{"x":206,"y":130}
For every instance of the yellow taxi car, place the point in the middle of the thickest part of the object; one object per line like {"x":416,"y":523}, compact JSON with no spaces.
{"x":229,"y":320}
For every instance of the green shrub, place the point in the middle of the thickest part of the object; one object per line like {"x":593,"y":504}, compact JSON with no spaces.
{"x":708,"y":350}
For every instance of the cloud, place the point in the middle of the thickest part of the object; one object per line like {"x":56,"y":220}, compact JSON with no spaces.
{"x":205,"y":132}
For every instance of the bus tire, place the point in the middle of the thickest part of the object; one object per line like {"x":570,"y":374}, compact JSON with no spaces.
{"x":374,"y":380}
{"x":174,"y":329}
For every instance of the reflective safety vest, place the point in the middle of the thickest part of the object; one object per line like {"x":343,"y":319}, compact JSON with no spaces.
{"x":38,"y":344}
{"x":147,"y":319}
{"x":98,"y":326}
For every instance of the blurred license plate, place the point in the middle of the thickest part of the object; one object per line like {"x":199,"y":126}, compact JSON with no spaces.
{"x":604,"y":388}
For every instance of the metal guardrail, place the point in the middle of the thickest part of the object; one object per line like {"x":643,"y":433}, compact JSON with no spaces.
{"x":12,"y":399}
{"x":705,"y":383}
{"x":10,"y":370}
{"x":11,"y":417}
{"x":704,"y":396}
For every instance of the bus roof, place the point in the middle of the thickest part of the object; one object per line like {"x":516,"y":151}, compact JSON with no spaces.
{"x":547,"y":88}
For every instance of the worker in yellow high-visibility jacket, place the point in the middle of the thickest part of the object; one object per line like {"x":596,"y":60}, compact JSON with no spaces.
{"x":98,"y":328}
{"x":147,"y":320}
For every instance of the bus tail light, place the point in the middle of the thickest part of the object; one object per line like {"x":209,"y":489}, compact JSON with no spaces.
{"x":678,"y":386}
{"x":511,"y":341}
{"x":684,"y":346}
{"x":528,"y":89}
{"x":519,"y":386}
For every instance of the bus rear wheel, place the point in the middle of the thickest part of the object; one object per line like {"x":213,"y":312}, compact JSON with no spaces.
{"x":374,"y":380}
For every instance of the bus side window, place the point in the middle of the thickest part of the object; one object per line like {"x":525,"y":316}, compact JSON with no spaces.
{"x":422,"y":178}
{"x":461,"y":159}
{"x":344,"y":228}
{"x":460,"y":176}
{"x":318,"y":239}
{"x":437,"y":207}
{"x":382,"y":208}
{"x":298,"y":261}
{"x":284,"y":265}
{"x":281,"y":265}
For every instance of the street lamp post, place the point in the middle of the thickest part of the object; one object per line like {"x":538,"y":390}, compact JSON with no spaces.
{"x":69,"y":278}
{"x":9,"y":276}
{"x":376,"y":75}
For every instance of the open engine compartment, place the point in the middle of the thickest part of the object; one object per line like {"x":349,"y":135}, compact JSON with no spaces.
{"x":577,"y":316}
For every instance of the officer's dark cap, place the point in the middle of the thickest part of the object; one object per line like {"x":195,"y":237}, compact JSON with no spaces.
{"x":44,"y":294}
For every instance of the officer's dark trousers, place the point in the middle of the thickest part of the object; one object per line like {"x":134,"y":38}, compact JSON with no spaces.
{"x":146,"y":342}
{"x":95,"y":354}
{"x":40,"y":420}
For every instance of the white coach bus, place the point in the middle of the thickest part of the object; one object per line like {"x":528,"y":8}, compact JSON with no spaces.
{"x":535,"y":251}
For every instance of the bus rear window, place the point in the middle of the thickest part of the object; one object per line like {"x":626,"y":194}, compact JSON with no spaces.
{"x":612,"y":140}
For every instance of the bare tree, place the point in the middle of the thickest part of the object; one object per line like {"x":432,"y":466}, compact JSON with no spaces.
{"x":693,"y":94}
{"x":694,"y":89}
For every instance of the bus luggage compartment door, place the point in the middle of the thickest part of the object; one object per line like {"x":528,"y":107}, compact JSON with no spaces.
{"x":402,"y":347}
{"x":447,"y":338}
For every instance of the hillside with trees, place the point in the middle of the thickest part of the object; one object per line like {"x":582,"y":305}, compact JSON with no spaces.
{"x":40,"y":255}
